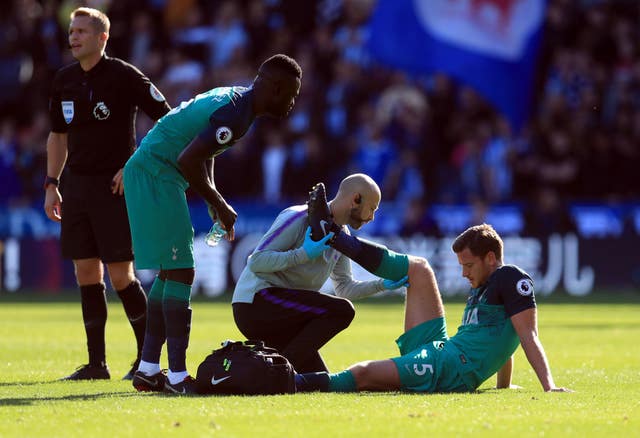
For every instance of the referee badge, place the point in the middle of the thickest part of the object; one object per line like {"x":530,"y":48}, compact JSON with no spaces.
{"x":101,"y":111}
{"x":156,"y":94}
{"x":524,"y":287}
{"x":67,"y":110}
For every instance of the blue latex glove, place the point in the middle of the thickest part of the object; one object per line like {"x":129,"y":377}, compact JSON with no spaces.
{"x":314,"y":249}
{"x":390,"y":284}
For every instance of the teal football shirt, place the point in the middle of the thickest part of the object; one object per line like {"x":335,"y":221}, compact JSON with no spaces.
{"x":222,"y":114}
{"x":433,"y":362}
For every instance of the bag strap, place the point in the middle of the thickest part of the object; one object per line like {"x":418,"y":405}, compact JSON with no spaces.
{"x":254,"y":343}
{"x":258,"y":345}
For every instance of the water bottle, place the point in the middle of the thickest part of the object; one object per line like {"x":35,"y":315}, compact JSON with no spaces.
{"x":215,"y":234}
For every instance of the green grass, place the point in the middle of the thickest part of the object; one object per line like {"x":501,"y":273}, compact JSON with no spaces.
{"x":593,"y":348}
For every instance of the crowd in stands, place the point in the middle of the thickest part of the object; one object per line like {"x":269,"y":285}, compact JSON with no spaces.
{"x":425,"y":139}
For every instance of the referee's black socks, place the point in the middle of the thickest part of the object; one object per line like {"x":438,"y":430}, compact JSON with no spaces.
{"x":94,"y":314}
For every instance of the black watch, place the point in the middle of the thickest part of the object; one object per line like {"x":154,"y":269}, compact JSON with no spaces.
{"x":51,"y":180}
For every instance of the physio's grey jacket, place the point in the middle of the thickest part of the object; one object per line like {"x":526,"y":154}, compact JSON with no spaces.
{"x":280,"y":261}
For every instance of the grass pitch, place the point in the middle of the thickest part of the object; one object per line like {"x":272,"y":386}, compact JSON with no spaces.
{"x":592,"y":345}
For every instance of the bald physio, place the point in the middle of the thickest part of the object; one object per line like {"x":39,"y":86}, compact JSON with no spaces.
{"x":355,"y":204}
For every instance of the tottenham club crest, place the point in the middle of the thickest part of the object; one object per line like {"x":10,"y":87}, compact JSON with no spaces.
{"x":223,"y":135}
{"x":525,"y":287}
{"x":101,"y":112}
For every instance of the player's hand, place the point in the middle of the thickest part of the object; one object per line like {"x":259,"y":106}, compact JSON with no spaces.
{"x":117,"y":184}
{"x":227,"y":217}
{"x":53,"y":203}
{"x":391,"y":285}
{"x":313,"y":248}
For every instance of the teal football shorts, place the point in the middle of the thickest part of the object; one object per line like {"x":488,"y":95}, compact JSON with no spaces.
{"x":424,"y":364}
{"x":161,"y":228}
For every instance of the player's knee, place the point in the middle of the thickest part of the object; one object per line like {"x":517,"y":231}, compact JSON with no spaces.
{"x":363,"y":374}
{"x":376,"y":375}
{"x":419,"y":267}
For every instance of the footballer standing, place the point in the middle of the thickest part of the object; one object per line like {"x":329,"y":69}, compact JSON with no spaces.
{"x":177,"y":153}
{"x":92,"y":107}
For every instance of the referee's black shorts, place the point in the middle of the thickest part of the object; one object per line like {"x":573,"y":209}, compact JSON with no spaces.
{"x":94,"y":220}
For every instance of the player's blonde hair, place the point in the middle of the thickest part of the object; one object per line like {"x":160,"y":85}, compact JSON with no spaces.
{"x":99,"y":20}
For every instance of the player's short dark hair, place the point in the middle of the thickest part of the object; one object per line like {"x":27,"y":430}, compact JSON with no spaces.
{"x":281,"y":64}
{"x":480,"y":239}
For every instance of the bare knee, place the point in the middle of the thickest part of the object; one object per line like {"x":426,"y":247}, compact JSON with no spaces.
{"x":361,"y":373}
{"x":423,"y":301}
{"x":121,"y":274}
{"x":88,"y":271}
{"x":420,"y":267}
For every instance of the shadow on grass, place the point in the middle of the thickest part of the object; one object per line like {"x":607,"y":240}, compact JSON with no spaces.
{"x":29,"y":383}
{"x":35,"y":400}
{"x":28,"y":401}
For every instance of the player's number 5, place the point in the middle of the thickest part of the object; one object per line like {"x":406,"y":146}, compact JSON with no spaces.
{"x":421,"y":369}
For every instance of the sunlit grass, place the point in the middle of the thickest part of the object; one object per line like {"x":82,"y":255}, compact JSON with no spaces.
{"x":593,"y":348}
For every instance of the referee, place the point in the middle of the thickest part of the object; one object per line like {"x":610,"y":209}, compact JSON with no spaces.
{"x":92,"y":107}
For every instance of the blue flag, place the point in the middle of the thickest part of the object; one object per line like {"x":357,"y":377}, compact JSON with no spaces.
{"x":490,"y":45}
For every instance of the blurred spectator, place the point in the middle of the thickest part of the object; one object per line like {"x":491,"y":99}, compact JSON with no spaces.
{"x":497,"y":163}
{"x":222,"y":38}
{"x":32,"y":156}
{"x":142,"y":40}
{"x":424,"y":139}
{"x":182,"y":78}
{"x":307,"y":164}
{"x":547,"y":214}
{"x":418,"y":221}
{"x":374,"y":155}
{"x":10,"y":186}
{"x":351,"y":36}
{"x":557,"y":166}
{"x":274,"y":159}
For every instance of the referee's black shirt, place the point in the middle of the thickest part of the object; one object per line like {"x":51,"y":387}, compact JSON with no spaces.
{"x":97,"y":109}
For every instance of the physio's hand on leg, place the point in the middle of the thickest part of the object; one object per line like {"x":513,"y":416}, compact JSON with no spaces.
{"x":391,"y":285}
{"x":312,"y":248}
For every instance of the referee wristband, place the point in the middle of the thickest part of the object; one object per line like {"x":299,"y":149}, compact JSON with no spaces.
{"x":51,"y":180}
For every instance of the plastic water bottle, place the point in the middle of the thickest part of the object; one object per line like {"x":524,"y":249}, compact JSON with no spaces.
{"x":215,"y":234}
